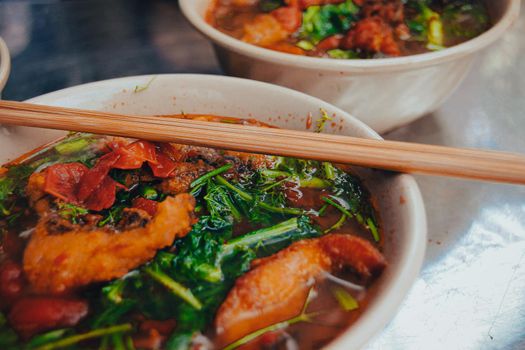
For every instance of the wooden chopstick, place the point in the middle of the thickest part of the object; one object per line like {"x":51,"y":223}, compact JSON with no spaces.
{"x":388,"y":155}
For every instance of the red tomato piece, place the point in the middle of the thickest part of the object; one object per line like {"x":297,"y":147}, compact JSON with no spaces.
{"x":11,"y":281}
{"x":30,"y":316}
{"x":103,"y":196}
{"x":164,"y":166}
{"x":332,"y":42}
{"x":144,"y":150}
{"x":96,"y":175}
{"x":62,"y":180}
{"x":290,"y":17}
{"x":176,"y":152}
{"x":145,"y":204}
{"x":117,"y":143}
{"x":128,"y":161}
{"x":135,"y":154}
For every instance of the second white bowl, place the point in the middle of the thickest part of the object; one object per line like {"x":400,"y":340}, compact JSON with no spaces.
{"x":384,"y":93}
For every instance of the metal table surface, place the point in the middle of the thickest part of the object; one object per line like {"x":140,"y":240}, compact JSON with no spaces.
{"x":471,"y":291}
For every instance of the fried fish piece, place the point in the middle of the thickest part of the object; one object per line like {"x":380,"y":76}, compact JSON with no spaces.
{"x":56,"y":263}
{"x":276,"y":287}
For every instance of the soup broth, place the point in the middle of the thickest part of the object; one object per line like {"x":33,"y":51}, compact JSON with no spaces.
{"x":112,"y":243}
{"x":350,"y":29}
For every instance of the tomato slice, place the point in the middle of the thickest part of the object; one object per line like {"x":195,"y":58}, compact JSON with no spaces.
{"x":128,"y":161}
{"x":164,"y":166}
{"x":144,"y":150}
{"x":174,"y":151}
{"x":62,"y":180}
{"x":103,"y":196}
{"x":135,"y":154}
{"x":96,"y":175}
{"x":145,"y":204}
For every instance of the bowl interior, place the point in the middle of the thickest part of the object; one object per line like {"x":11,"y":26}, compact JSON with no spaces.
{"x":400,"y":204}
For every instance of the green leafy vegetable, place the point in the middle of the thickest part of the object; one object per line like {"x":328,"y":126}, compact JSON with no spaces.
{"x":8,"y":337}
{"x":249,"y":197}
{"x":113,"y":313}
{"x":12,"y":184}
{"x":305,"y":45}
{"x":288,"y":231}
{"x":73,"y":146}
{"x":46,"y":338}
{"x":71,"y":212}
{"x":203,"y":179}
{"x":427,"y":25}
{"x":338,"y":224}
{"x":140,"y":88}
{"x":75,"y":339}
{"x":342,"y":54}
{"x":179,"y":341}
{"x":320,"y":22}
{"x":149,"y":192}
{"x":321,"y":122}
{"x":175,"y":287}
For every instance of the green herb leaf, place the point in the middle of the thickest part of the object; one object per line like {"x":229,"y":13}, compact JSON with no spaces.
{"x":305,"y":45}
{"x":342,"y":54}
{"x":48,"y":337}
{"x":140,"y":88}
{"x":204,"y":178}
{"x":320,"y":22}
{"x":179,"y":341}
{"x":75,"y":339}
{"x":175,"y":287}
{"x":71,"y":212}
{"x":73,"y":146}
{"x":321,"y":122}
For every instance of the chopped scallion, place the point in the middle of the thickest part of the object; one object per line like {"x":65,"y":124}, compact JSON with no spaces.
{"x":345,"y":299}
{"x":75,"y":339}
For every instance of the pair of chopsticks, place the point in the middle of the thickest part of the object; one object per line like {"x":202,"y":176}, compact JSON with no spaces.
{"x":388,"y":155}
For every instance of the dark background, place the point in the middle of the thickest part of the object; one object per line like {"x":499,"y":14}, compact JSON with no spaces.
{"x":56,"y":44}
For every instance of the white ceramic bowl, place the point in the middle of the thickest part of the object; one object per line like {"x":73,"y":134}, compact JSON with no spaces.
{"x":400,"y":204}
{"x":5,"y":64}
{"x":384,"y":93}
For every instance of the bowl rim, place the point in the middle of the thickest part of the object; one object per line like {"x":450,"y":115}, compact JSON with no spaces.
{"x":189,"y":9}
{"x":5,"y":64}
{"x":384,"y":309}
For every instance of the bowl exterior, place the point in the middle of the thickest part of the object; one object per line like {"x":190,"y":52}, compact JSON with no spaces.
{"x":383,"y":100}
{"x":384,"y":93}
{"x":404,"y":224}
{"x":5,"y":64}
